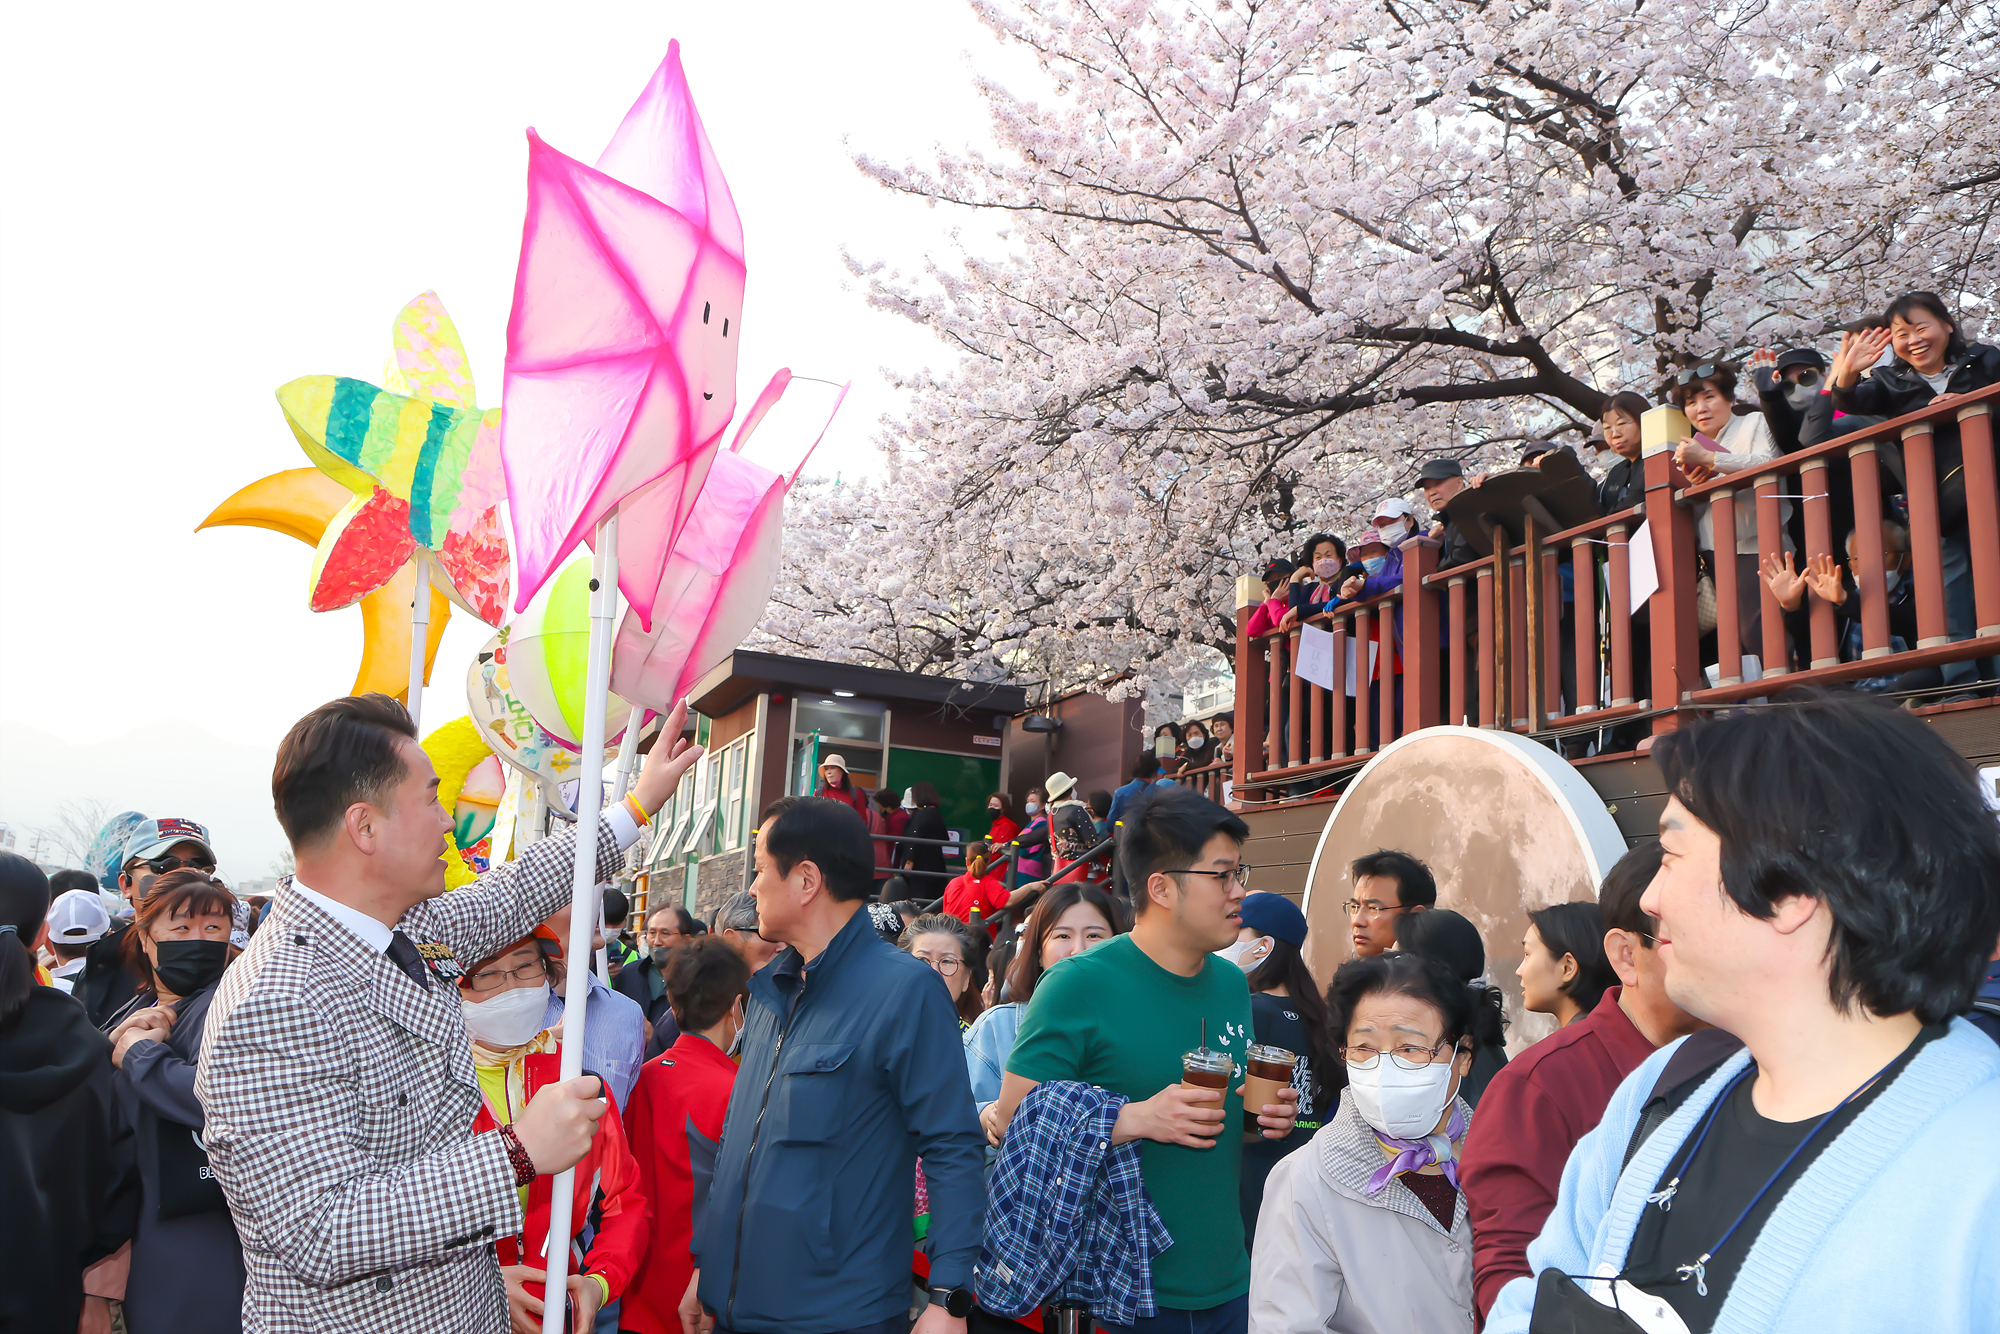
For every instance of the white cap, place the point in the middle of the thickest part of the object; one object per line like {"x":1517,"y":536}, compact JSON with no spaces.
{"x":834,"y":762}
{"x":1394,"y":507}
{"x":77,"y":918}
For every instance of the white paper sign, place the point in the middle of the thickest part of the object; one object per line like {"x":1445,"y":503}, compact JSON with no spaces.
{"x":1315,"y":662}
{"x":1645,"y":573}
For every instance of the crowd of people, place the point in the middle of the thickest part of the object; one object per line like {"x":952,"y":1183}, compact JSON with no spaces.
{"x":1122,"y":1101}
{"x":1780,"y":402}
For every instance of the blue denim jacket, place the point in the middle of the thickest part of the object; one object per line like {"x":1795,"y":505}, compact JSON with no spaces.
{"x":850,"y":1071}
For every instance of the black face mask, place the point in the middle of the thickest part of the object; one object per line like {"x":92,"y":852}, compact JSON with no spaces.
{"x":187,"y":966}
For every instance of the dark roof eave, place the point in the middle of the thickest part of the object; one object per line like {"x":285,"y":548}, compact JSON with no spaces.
{"x":746,"y":673}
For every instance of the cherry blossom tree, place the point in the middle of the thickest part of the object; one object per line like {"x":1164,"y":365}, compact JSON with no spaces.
{"x":1264,"y":257}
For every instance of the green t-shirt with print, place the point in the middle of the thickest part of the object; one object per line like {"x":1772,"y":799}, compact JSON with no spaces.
{"x":1112,"y":1017}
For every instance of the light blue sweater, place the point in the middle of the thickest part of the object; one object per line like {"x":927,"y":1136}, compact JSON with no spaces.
{"x":1892,"y":1227}
{"x":987,"y":1045}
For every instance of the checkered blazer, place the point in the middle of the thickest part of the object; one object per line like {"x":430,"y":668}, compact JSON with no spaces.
{"x":340,"y":1097}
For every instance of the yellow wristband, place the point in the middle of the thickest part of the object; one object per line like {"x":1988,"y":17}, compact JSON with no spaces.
{"x":603,"y":1286}
{"x":638,"y":811}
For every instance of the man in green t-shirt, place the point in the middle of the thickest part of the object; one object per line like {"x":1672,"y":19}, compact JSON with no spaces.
{"x":1122,"y":1015}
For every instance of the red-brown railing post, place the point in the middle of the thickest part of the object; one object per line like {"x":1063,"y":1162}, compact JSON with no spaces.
{"x":1422,"y":641}
{"x":1461,"y":650}
{"x":1534,"y":613}
{"x":1982,"y":514}
{"x":1295,"y":747}
{"x":1336,"y":698}
{"x":1583,"y":591}
{"x":1492,"y":656}
{"x":1926,"y":536}
{"x":1728,"y":626}
{"x":1520,"y":648}
{"x":1316,"y":721}
{"x":1364,"y":722}
{"x":1274,"y":666}
{"x":1670,"y":613}
{"x":1250,"y":672}
{"x":1869,"y":574}
{"x":1618,"y":594}
{"x":1551,"y":641}
{"x":1386,"y":621}
{"x":1815,"y":489}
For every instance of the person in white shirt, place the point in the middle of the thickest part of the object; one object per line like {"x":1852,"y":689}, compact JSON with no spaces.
{"x":75,"y":920}
{"x":1707,"y":394}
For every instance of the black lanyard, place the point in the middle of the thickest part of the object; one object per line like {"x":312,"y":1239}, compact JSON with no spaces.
{"x":1664,"y":1197}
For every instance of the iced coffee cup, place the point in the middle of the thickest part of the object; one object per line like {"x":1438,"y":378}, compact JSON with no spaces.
{"x":1269,"y":1074}
{"x":1205,"y":1069}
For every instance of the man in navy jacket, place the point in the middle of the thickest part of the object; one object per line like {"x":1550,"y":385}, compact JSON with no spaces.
{"x":852,"y":1069}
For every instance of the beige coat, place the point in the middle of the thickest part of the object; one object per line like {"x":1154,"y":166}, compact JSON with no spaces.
{"x":1330,"y":1258}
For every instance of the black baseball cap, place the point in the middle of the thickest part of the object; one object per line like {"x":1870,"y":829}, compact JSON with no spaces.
{"x":1799,"y":356}
{"x":1439,"y":469}
{"x":1277,"y":570}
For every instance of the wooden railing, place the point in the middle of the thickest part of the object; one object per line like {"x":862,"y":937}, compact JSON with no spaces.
{"x":1486,"y":651}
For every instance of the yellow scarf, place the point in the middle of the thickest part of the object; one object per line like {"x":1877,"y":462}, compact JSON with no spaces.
{"x":511,"y":1058}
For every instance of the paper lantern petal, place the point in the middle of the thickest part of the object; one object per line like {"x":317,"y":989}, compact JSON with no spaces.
{"x":426,"y":357}
{"x":363,"y":548}
{"x":621,"y":344}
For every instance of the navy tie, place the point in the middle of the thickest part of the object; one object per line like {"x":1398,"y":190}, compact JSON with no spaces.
{"x":406,"y":957}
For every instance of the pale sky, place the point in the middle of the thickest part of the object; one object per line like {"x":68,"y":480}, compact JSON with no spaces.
{"x":207,"y":201}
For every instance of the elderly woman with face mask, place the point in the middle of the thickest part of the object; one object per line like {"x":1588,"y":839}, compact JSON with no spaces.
{"x":504,"y":999}
{"x":1366,"y":1230}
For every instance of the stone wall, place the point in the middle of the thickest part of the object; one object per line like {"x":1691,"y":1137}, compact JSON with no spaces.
{"x":716,"y":879}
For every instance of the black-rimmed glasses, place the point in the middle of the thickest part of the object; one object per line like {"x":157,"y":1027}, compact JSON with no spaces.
{"x":1240,"y":874}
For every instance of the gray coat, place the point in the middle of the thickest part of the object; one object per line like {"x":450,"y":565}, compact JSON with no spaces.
{"x":187,"y":1272}
{"x":1329,"y":1257}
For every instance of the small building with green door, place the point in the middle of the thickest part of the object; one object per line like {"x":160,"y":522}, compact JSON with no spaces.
{"x":768,"y":720}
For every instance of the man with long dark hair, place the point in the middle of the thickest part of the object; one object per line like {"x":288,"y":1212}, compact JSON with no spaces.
{"x":1834,"y":1170}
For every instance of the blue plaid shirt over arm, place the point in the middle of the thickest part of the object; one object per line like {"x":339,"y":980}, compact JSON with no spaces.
{"x":1068,"y":1217}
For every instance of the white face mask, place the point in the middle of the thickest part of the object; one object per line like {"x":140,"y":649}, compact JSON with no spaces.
{"x":1032,"y":807}
{"x":510,"y":1018}
{"x":1247,"y":954}
{"x":1399,"y":1103}
{"x":1394,"y":532}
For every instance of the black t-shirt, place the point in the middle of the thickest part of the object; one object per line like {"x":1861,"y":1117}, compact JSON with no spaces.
{"x":1274,"y":1023}
{"x":1741,"y":1152}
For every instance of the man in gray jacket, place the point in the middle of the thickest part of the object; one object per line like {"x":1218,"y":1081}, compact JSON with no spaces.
{"x":335,"y":1074}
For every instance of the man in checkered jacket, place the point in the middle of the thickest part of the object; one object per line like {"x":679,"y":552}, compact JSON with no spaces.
{"x":336,"y":1075}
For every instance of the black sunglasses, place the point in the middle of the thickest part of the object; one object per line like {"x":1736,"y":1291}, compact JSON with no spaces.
{"x":1701,"y":372}
{"x":162,"y":865}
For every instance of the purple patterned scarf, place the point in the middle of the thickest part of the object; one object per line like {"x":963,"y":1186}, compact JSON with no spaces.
{"x":1415,"y":1153}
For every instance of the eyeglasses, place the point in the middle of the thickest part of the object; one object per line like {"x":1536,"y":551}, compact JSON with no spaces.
{"x":1240,"y":874}
{"x":1407,"y":1057}
{"x":162,"y":865}
{"x":663,"y":937}
{"x":1371,"y":908}
{"x":946,"y":964}
{"x":495,"y":978}
{"x":1701,"y":372}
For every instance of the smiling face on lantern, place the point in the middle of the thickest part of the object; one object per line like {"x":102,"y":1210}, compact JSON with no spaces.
{"x":706,"y":333}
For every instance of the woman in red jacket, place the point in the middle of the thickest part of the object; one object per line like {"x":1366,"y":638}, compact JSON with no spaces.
{"x":1004,"y":825}
{"x":676,"y":1119}
{"x":505,"y":998}
{"x":981,"y":887}
{"x":835,"y":784}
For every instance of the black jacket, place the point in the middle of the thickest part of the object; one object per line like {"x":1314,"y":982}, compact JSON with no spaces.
{"x":106,"y":984}
{"x":925,"y":822}
{"x":67,"y":1177}
{"x":1624,"y":486}
{"x":1892,"y":390}
{"x":643,"y":983}
{"x":187,"y":1271}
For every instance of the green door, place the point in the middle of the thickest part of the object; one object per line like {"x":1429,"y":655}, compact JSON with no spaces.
{"x":964,"y":782}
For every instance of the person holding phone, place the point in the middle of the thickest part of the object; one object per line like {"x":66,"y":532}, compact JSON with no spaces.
{"x":1725,"y":443}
